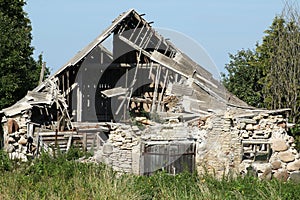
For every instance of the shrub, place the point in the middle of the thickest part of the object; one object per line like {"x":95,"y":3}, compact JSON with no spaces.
{"x":5,"y":163}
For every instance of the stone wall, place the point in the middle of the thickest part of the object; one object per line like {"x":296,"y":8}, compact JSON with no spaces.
{"x":118,"y":150}
{"x":17,"y":142}
{"x":220,"y":152}
{"x":124,"y":149}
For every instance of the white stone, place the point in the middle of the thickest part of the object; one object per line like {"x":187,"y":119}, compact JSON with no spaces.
{"x":10,"y":148}
{"x":281,"y":175}
{"x":107,"y":148}
{"x":286,"y":156}
{"x":245,"y":134}
{"x":22,"y":140}
{"x":11,"y":140}
{"x":293,"y":166}
{"x":267,"y":174}
{"x":279,"y":144}
{"x":249,"y":127}
{"x":276,"y":164}
{"x":261,"y":167}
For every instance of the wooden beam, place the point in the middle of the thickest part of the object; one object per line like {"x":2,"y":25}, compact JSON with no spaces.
{"x":84,"y":142}
{"x":69,"y":142}
{"x":153,"y":108}
{"x":42,"y":74}
{"x":162,"y":92}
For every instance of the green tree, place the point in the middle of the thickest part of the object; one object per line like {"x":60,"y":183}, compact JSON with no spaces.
{"x":19,"y":72}
{"x":269,"y":76}
{"x":243,"y":77}
{"x":280,"y":60}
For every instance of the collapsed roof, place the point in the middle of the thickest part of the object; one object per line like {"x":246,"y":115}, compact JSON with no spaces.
{"x":144,"y":72}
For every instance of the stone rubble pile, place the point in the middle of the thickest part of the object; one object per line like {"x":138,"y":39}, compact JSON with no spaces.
{"x":267,"y":135}
{"x":18,"y":144}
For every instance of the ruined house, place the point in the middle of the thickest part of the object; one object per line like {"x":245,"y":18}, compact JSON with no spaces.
{"x":146,"y":106}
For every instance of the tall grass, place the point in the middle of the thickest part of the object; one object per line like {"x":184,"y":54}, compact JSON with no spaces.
{"x":64,"y":178}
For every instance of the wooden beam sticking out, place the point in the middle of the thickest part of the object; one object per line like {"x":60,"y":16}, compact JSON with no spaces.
{"x":130,"y":88}
{"x":114,"y":92}
{"x":206,"y":81}
{"x":69,"y":89}
{"x":159,"y":107}
{"x":153,"y":108}
{"x":42,"y":72}
{"x":138,"y":100}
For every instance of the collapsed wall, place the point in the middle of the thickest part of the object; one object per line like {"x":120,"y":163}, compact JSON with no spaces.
{"x":218,"y":144}
{"x":251,"y":142}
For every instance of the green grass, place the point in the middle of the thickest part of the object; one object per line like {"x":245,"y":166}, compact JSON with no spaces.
{"x":63,"y":178}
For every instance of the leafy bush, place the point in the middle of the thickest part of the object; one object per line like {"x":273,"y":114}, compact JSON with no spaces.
{"x":295,"y":132}
{"x":5,"y":163}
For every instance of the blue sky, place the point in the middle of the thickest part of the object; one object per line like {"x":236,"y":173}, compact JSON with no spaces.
{"x":63,"y":27}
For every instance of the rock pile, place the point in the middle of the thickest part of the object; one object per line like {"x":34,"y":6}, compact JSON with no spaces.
{"x":267,"y":135}
{"x":18,"y":144}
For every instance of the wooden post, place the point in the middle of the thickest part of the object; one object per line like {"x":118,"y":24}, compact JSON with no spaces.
{"x":69,"y":142}
{"x":84,"y":142}
{"x":42,"y":72}
{"x":38,"y":144}
{"x":162,"y":92}
{"x":56,"y":143}
{"x":156,"y":83}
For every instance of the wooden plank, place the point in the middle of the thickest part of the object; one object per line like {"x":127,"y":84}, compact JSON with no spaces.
{"x":182,"y":90}
{"x":42,"y":72}
{"x":156,"y":83}
{"x":141,"y":43}
{"x":162,"y":92}
{"x":114,"y":92}
{"x":168,"y":63}
{"x":206,"y":81}
{"x":92,"y":130}
{"x":137,"y":37}
{"x":150,"y":71}
{"x":84,"y":142}
{"x":148,"y":40}
{"x":69,"y":89}
{"x":69,"y":142}
{"x":53,"y":133}
{"x":133,"y":32}
{"x":79,"y":98}
{"x":256,"y":141}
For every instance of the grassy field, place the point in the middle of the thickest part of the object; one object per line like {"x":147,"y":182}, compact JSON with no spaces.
{"x":63,"y":178}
